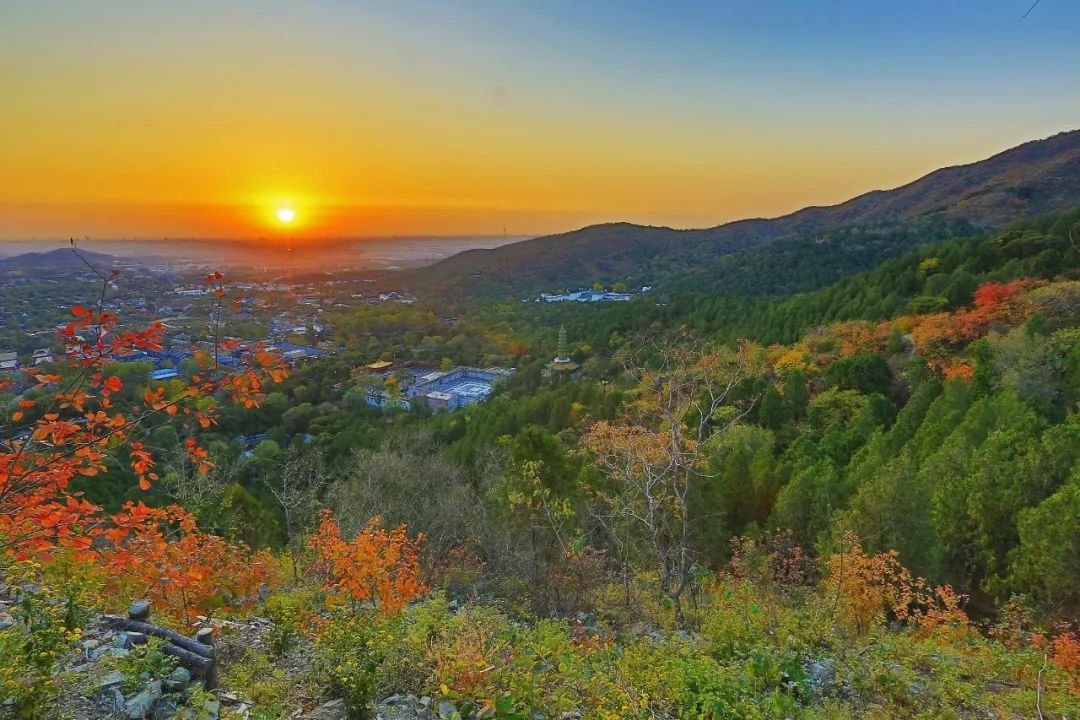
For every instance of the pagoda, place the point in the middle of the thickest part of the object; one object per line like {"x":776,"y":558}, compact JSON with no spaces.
{"x":561,"y":364}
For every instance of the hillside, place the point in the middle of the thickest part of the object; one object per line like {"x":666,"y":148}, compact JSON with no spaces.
{"x":1033,"y":178}
{"x":59,"y":259}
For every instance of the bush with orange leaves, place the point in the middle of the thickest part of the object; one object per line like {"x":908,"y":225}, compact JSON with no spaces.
{"x":378,"y":568}
{"x":1065,"y":653}
{"x":160,"y":554}
{"x":45,"y":444}
{"x":872,"y":588}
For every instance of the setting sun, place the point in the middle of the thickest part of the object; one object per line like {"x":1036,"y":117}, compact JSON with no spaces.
{"x":285,"y":215}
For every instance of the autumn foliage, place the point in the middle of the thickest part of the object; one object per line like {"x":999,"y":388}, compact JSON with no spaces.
{"x":875,"y":587}
{"x":79,"y":427}
{"x":378,"y":568}
{"x":160,"y":554}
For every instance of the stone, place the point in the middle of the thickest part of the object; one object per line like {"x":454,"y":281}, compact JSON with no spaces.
{"x":112,"y":680}
{"x":139,"y":610}
{"x":121,"y":640}
{"x":821,"y":674}
{"x":116,"y":651}
{"x":118,"y":700}
{"x":137,"y":638}
{"x":178,"y":680}
{"x":205,"y":636}
{"x":6,"y":621}
{"x":90,"y":644}
{"x":332,"y":710}
{"x":166,"y":708}
{"x":139,"y":705}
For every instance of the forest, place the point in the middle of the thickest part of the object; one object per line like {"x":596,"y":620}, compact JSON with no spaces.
{"x":849,"y":494}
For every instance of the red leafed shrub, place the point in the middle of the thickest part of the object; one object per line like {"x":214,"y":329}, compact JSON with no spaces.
{"x":160,"y":554}
{"x":378,"y":567}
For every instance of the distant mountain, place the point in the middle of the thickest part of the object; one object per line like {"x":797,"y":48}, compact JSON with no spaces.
{"x":1034,"y":178}
{"x":59,"y":259}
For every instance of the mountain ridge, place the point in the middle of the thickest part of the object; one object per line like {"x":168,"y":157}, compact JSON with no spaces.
{"x":1032,"y":178}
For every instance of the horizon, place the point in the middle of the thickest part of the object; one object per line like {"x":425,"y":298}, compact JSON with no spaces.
{"x":274,"y":120}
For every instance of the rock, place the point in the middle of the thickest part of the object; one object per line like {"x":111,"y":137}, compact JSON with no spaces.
{"x":112,"y":680}
{"x":137,"y":638}
{"x":332,"y":710}
{"x":139,"y":705}
{"x":821,"y":675}
{"x":178,"y":680}
{"x":118,"y":700}
{"x":205,"y":636}
{"x":121,"y":640}
{"x":139,"y":610}
{"x":6,"y":621}
{"x":90,"y":644}
{"x":116,"y":651}
{"x":166,"y":708}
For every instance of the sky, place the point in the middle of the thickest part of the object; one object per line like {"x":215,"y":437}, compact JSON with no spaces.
{"x":122,"y":118}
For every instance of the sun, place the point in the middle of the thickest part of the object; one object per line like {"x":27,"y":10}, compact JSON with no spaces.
{"x":285,"y":215}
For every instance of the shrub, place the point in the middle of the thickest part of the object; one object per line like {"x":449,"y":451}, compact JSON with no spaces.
{"x":345,"y":659}
{"x":38,"y":632}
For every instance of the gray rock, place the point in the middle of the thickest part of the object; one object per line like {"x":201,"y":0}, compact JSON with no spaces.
{"x":139,"y":705}
{"x":118,"y":700}
{"x":139,"y":610}
{"x":332,"y":710}
{"x":112,"y":680}
{"x":90,"y":644}
{"x":178,"y":680}
{"x":6,"y":621}
{"x":121,"y":640}
{"x":116,"y":651}
{"x":821,"y":674}
{"x":166,"y":708}
{"x":137,"y":638}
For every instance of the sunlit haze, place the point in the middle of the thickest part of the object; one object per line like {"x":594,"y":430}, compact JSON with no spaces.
{"x":249,"y":119}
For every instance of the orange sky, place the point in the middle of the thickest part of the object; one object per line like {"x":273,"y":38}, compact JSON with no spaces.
{"x":199,"y":119}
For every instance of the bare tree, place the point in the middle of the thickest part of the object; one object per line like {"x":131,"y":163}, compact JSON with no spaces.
{"x":195,"y":490}
{"x":655,"y":454}
{"x":411,"y":480}
{"x":297,"y":490}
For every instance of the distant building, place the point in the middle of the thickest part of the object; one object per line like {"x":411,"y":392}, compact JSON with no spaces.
{"x":457,"y":388}
{"x":9,"y":360}
{"x":586,"y":296}
{"x":164,"y":374}
{"x":42,"y":355}
{"x":562,"y":364}
{"x":380,"y":368}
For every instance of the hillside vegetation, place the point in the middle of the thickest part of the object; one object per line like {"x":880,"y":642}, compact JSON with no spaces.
{"x":862,"y":501}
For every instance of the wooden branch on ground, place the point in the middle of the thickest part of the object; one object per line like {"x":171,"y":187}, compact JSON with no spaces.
{"x":191,"y":646}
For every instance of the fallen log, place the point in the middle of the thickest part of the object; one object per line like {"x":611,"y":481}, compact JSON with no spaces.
{"x":178,"y":640}
{"x":192,"y":660}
